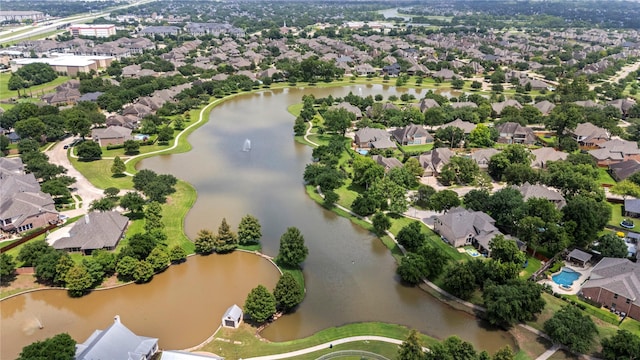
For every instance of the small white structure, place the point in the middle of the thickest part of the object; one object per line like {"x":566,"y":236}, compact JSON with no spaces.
{"x":232,"y":317}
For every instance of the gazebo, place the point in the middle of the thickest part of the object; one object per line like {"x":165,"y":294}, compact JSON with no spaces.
{"x":579,"y":257}
{"x":232,"y":317}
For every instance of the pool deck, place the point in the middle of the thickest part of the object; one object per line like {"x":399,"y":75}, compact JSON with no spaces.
{"x":577,"y":284}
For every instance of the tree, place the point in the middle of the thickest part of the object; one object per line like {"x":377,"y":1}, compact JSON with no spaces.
{"x":118,"y":167}
{"x":78,"y":124}
{"x":505,"y":353}
{"x":506,"y":251}
{"x":626,"y":188}
{"x":381,"y":223}
{"x":476,"y":200}
{"x":569,"y":327}
{"x":132,"y":201}
{"x":411,"y":236}
{"x":205,"y":243}
{"x":459,"y":170}
{"x":153,"y":217}
{"x":165,"y":133}
{"x":610,"y":245}
{"x":516,"y":301}
{"x":30,"y":128}
{"x":460,"y":280}
{"x":481,"y":136}
{"x":226,"y":240}
{"x":153,"y":186}
{"x":413,"y":166}
{"x":140,"y":246}
{"x":158,"y":259}
{"x":32,"y":251}
{"x":63,"y":266}
{"x":78,"y":280}
{"x":505,"y":206}
{"x":94,"y":269}
{"x":7,"y":268}
{"x":131,"y":147}
{"x":102,"y":205}
{"x":58,"y":347}
{"x":444,"y":200}
{"x":338,"y":120}
{"x":435,"y":259}
{"x":89,"y":150}
{"x":623,"y":345}
{"x":292,"y":249}
{"x":412,"y":268}
{"x":424,"y":194}
{"x":249,"y":230}
{"x":177,"y":254}
{"x":589,"y":216}
{"x":411,"y":348}
{"x":143,"y":272}
{"x":260,"y":304}
{"x":288,"y":293}
{"x":106,"y":259}
{"x":450,"y":135}
{"x":35,"y":74}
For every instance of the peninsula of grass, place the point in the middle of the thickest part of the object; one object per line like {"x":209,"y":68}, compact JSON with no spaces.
{"x":243,"y":343}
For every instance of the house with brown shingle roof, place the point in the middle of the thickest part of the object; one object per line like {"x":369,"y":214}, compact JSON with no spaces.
{"x":483,"y":156}
{"x":412,"y":134}
{"x":499,"y":106}
{"x":433,"y":161}
{"x":589,"y":135}
{"x":615,"y":151}
{"x":615,"y":283}
{"x":373,"y":138}
{"x":465,"y":126}
{"x":350,"y":108}
{"x":543,"y":155}
{"x":544,"y":106}
{"x":23,"y":206}
{"x":538,"y":191}
{"x":624,"y":169}
{"x":514,"y":133}
{"x":387,"y":163}
{"x":113,"y":135}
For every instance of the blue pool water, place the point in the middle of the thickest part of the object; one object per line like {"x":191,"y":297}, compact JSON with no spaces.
{"x":566,"y":277}
{"x":141,"y":137}
{"x":363,"y":151}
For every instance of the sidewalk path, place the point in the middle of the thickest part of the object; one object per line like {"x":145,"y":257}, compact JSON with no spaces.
{"x":326,"y":346}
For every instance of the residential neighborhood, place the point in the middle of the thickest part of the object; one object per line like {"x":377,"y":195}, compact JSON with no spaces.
{"x":485,"y":158}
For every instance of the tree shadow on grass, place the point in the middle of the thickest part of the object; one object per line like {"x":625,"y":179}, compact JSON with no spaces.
{"x":117,"y":176}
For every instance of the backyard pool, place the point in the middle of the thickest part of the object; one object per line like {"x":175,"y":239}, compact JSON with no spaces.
{"x":363,"y":151}
{"x":472,"y":252}
{"x":141,"y":137}
{"x":566,"y":277}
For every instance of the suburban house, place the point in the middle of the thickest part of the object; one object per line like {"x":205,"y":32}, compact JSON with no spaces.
{"x":232,"y":317}
{"x":387,"y":163}
{"x":426,"y":104}
{"x":615,"y":151}
{"x":467,"y":127}
{"x":444,"y":74}
{"x":624,"y":105}
{"x":23,"y":206}
{"x":624,"y":169}
{"x":160,"y":30}
{"x":391,"y":70}
{"x":461,"y":104}
{"x":113,"y":135}
{"x":499,"y":106}
{"x":538,"y":191}
{"x":514,"y":133}
{"x":589,"y":135}
{"x":373,"y":138}
{"x":544,"y":106}
{"x":615,"y":283}
{"x":412,"y":135}
{"x":482,"y":157}
{"x":460,"y":227}
{"x":350,"y":108}
{"x":116,"y":342}
{"x":97,"y":230}
{"x":10,"y":167}
{"x":632,"y":207}
{"x":543,"y":155}
{"x":433,"y":161}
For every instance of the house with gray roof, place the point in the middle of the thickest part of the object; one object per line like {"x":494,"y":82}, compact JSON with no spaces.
{"x":433,"y":161}
{"x":465,"y":126}
{"x":544,"y":106}
{"x":529,"y":191}
{"x":632,"y":207}
{"x":615,"y":151}
{"x":387,"y":163}
{"x":232,"y":317}
{"x":589,"y":135}
{"x":116,"y":342}
{"x":160,"y":30}
{"x":373,"y":138}
{"x":483,"y":156}
{"x":461,"y":227}
{"x":97,"y":230}
{"x":514,"y":133}
{"x":499,"y":106}
{"x":11,"y":167}
{"x":624,"y":105}
{"x":350,"y":108}
{"x":113,"y":135}
{"x":624,"y":169}
{"x":23,"y":206}
{"x":543,"y":155}
{"x":412,"y":134}
{"x":461,"y":104}
{"x":615,"y":283}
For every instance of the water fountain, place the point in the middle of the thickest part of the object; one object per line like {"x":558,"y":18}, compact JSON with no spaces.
{"x":247,"y":145}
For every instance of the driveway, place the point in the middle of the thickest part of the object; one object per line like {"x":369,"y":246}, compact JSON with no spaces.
{"x":58,"y":155}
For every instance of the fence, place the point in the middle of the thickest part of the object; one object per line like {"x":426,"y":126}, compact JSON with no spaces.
{"x":28,"y":237}
{"x":352,"y":353}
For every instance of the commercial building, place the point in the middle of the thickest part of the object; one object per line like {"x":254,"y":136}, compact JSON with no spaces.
{"x":100,"y":30}
{"x":67,"y":64}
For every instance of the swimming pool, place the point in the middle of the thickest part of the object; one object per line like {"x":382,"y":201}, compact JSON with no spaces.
{"x":141,"y":137}
{"x":363,"y":151}
{"x":566,"y":277}
{"x":472,"y":252}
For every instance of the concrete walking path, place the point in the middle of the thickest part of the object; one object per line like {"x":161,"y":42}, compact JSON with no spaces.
{"x":326,"y":346}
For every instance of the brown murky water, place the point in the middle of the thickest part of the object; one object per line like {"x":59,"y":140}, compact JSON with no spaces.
{"x":182,"y":306}
{"x":350,"y":275}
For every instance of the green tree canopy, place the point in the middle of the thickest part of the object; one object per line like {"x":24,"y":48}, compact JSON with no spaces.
{"x":570,"y":327}
{"x":58,"y":347}
{"x":260,"y":304}
{"x":118,"y":167}
{"x":292,"y":248}
{"x":249,"y":230}
{"x":89,"y":150}
{"x":78,"y":280}
{"x":513,"y":302}
{"x":288,"y":293}
{"x":205,"y":242}
{"x":623,"y":345}
{"x":411,"y":236}
{"x":226,"y":240}
{"x":611,"y":245}
{"x":411,"y":348}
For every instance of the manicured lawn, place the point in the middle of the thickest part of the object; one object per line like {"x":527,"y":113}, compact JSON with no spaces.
{"x":533,"y":265}
{"x":174,"y":211}
{"x":98,"y":172}
{"x":248,"y":345}
{"x":617,"y":216}
{"x":604,"y":177}
{"x":397,"y":223}
{"x":417,"y":148}
{"x":5,"y":93}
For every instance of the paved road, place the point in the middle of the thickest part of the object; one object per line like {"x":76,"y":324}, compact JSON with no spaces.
{"x":326,"y":346}
{"x":58,"y":155}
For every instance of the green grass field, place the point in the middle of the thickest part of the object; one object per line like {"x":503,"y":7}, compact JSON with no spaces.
{"x":604,"y":177}
{"x":37,"y":90}
{"x":98,"y":172}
